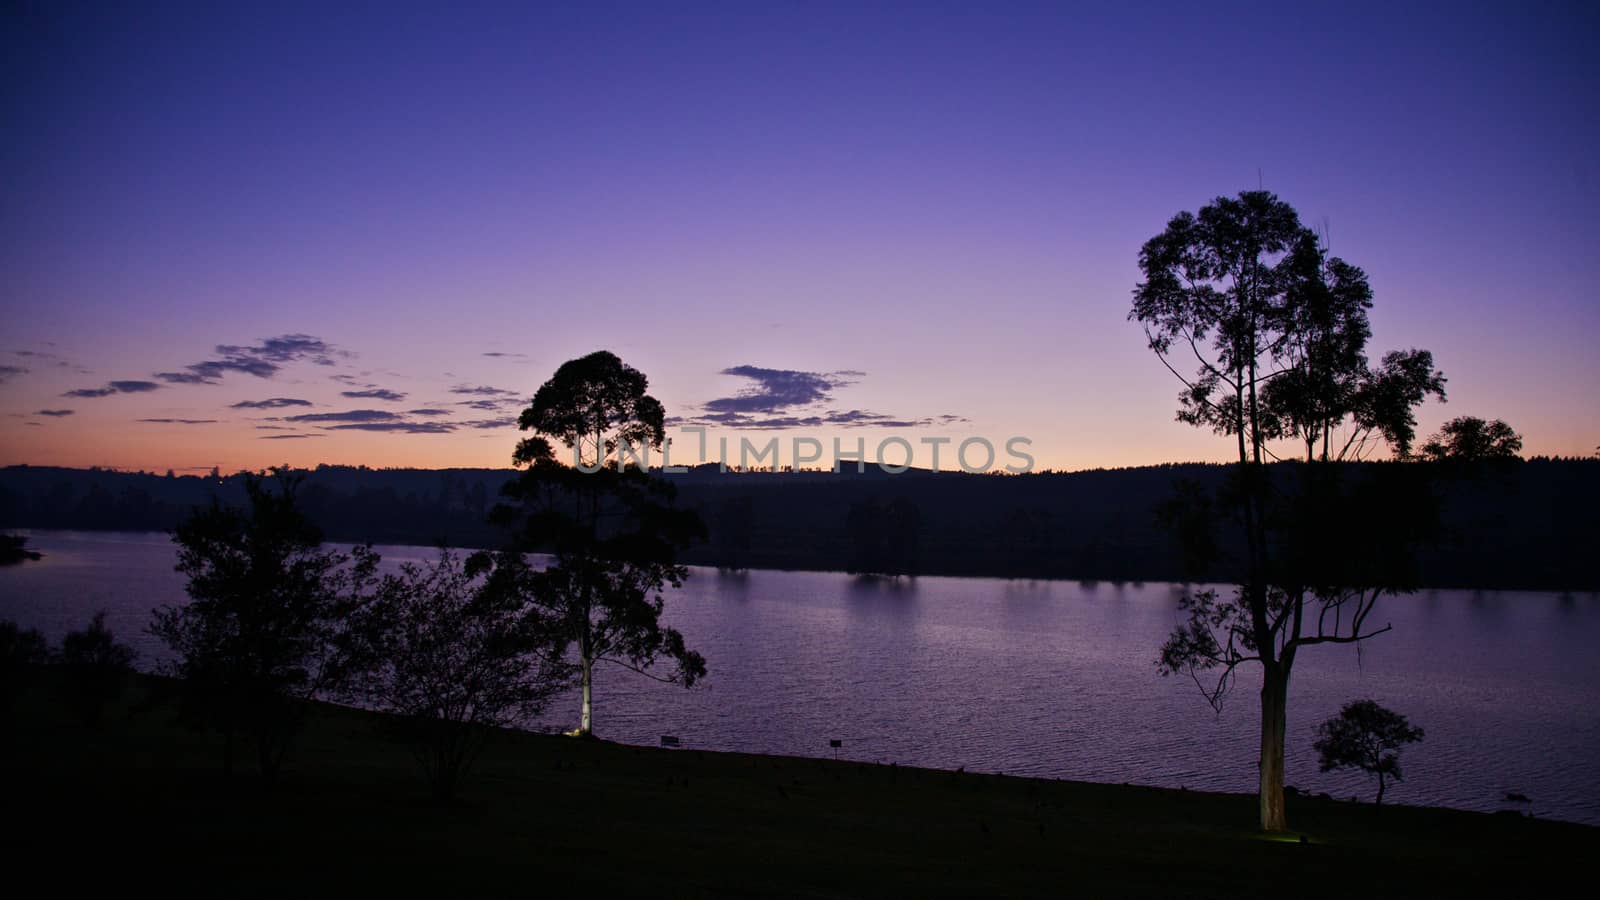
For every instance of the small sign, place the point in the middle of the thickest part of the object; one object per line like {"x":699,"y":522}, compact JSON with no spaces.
{"x":669,"y":740}
{"x":836,"y":743}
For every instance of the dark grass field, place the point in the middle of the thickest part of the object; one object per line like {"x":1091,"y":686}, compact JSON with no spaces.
{"x":140,"y":805}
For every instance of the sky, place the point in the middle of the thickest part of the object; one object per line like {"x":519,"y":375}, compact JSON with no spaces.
{"x":853,"y":220}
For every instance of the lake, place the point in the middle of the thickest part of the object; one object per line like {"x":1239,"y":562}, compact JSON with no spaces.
{"x":1052,"y":679}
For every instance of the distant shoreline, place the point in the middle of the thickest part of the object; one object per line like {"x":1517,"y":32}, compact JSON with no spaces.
{"x":1527,"y":526}
{"x":713,"y":570}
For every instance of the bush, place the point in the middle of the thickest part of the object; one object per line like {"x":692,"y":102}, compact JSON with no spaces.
{"x":454,"y":651}
{"x":97,"y":668}
{"x":21,"y":651}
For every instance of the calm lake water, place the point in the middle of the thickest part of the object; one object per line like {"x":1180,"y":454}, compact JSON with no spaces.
{"x":1052,"y":679}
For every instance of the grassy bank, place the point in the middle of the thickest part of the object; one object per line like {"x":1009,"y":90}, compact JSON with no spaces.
{"x":141,"y":803}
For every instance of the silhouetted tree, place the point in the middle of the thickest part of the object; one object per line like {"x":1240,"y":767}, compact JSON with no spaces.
{"x":1368,"y":737}
{"x":1025,"y":541}
{"x":613,"y":529}
{"x":1277,"y":332}
{"x":97,"y":667}
{"x":22,"y":651}
{"x":1471,"y":439}
{"x":884,"y":537}
{"x":454,"y":650}
{"x":14,"y":549}
{"x":260,"y":634}
{"x":731,"y":523}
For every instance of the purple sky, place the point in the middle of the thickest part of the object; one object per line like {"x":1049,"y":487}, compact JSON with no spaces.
{"x":945,"y":203}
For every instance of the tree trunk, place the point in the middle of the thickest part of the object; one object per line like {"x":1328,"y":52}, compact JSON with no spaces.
{"x":1379,"y":801}
{"x":586,"y":722}
{"x":1274,"y":719}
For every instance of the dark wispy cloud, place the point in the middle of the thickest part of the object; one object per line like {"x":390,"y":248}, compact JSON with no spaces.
{"x":496,"y":354}
{"x":273,"y":428}
{"x":271,"y":403}
{"x":289,"y":437}
{"x":56,"y":413}
{"x":262,"y":360}
{"x":351,"y":415}
{"x":488,"y":405}
{"x":779,"y":389}
{"x":180,"y":421}
{"x":854,"y":418}
{"x":507,"y":422}
{"x":48,"y":358}
{"x":115,"y":387}
{"x":779,"y":398}
{"x":9,"y":372}
{"x":404,"y":427}
{"x":482,"y":391}
{"x":428,"y":411}
{"x":374,"y":394}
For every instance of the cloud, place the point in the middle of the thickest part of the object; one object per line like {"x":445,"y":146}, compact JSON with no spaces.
{"x":271,"y":403}
{"x":54,"y":359}
{"x":273,"y":428}
{"x":375,"y":394}
{"x":491,"y":423}
{"x":9,"y":372}
{"x":778,"y":389}
{"x":353,"y":415}
{"x":289,"y":437}
{"x":180,"y":421}
{"x":770,"y":403}
{"x":56,"y":413}
{"x":482,"y":391}
{"x":491,"y":405}
{"x":500,"y":355}
{"x":854,"y":418}
{"x":428,"y":412}
{"x":405,"y":427}
{"x":262,"y":360}
{"x":373,"y":420}
{"x":115,"y":387}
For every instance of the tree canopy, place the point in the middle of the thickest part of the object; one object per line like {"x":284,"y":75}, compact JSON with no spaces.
{"x":1471,"y":439}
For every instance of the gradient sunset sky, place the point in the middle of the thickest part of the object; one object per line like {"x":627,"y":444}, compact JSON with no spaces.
{"x":916,"y":219}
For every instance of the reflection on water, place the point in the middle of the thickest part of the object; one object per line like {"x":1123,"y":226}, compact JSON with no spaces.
{"x":1026,"y":677}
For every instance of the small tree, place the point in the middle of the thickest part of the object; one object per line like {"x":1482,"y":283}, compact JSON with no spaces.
{"x":97,"y":667}
{"x":1471,"y":439}
{"x":613,"y":529}
{"x":454,"y":651}
{"x":14,"y":549}
{"x":267,"y":607}
{"x":883,"y":537}
{"x":22,"y":650}
{"x":1368,"y":737}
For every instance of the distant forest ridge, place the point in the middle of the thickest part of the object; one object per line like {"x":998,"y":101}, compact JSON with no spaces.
{"x":1529,"y":525}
